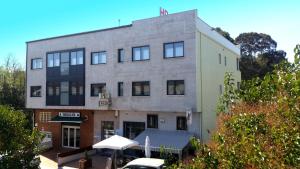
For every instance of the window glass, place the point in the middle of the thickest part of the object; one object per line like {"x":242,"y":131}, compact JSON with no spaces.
{"x":145,"y":53}
{"x":220,"y":58}
{"x":64,"y":98}
{"x":136,"y":53}
{"x":73,"y":58}
{"x":146,"y":89}
{"x":64,"y":69}
{"x":57,"y":90}
{"x":56,"y":59}
{"x":74,"y":89}
{"x":120,"y":89}
{"x":97,"y":88}
{"x":50,"y":60}
{"x":36,"y":63}
{"x":80,"y":57}
{"x":178,"y":49}
{"x":181,"y":123}
{"x":152,"y":121}
{"x":64,"y":57}
{"x":95,"y":57}
{"x":80,"y":90}
{"x":64,"y":86}
{"x":169,"y":50}
{"x":102,"y":58}
{"x":171,"y":88}
{"x":141,"y":88}
{"x":121,"y":55}
{"x":50,"y":90}
{"x":36,"y":91}
{"x":175,"y":87}
{"x":138,"y":89}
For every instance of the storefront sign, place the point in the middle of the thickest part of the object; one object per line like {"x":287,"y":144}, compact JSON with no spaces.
{"x":69,"y":114}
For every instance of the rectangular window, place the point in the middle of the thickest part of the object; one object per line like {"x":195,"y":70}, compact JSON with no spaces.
{"x":140,"y":53}
{"x":141,"y":88}
{"x":53,"y":60}
{"x":98,"y":58}
{"x":64,"y":67}
{"x":237,"y":64}
{"x":181,"y":123}
{"x":53,"y":89}
{"x":64,"y":93}
{"x":220,"y":58}
{"x":37,"y":63}
{"x":44,"y":117}
{"x":77,"y":57}
{"x":220,"y":89}
{"x":35,"y":91}
{"x":121,"y":55}
{"x":225,"y":60}
{"x":76,"y":89}
{"x":97,"y":88}
{"x":120,"y":88}
{"x":175,"y":87}
{"x":152,"y":121}
{"x":174,"y":49}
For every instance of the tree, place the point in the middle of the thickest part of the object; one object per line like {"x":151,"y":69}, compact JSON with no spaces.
{"x":225,"y":34}
{"x":19,"y":146}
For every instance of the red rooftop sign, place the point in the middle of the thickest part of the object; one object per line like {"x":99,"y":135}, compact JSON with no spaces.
{"x":163,"y":12}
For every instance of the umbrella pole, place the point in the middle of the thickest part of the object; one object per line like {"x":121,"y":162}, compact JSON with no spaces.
{"x":115,"y":159}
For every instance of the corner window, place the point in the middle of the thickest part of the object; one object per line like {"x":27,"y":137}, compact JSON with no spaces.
{"x":98,"y":58}
{"x":152,"y":121}
{"x":121,"y":55}
{"x":77,"y":57}
{"x":220,"y":58}
{"x":98,"y":88}
{"x":140,"y":53}
{"x":37,"y":63}
{"x":35,"y":91}
{"x":53,"y":60}
{"x":175,"y":87}
{"x":141,"y":88}
{"x":120,"y":88}
{"x":181,"y":123}
{"x":175,"y":49}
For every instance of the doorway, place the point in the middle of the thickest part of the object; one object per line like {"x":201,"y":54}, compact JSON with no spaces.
{"x":71,"y":136}
{"x":133,"y":129}
{"x":107,"y":129}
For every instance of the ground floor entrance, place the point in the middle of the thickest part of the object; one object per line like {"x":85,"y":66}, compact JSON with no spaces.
{"x":71,"y":136}
{"x":133,"y":129}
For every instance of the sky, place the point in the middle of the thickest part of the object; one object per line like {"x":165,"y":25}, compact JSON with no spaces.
{"x":22,"y":21}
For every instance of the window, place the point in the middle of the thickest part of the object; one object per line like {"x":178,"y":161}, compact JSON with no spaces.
{"x":225,"y":60}
{"x":140,"y":53}
{"x":45,"y":117}
{"x":120,"y":88}
{"x":121,"y":55}
{"x":181,"y":123}
{"x":64,"y":93}
{"x":37,"y":63}
{"x":77,"y":57}
{"x":175,"y":87}
{"x":220,"y":58}
{"x":237,"y":64}
{"x":35,"y":91}
{"x":97,"y":88}
{"x":141,"y":88}
{"x":76,"y":89}
{"x":152,"y":121}
{"x":64,"y":59}
{"x":98,"y":58}
{"x":53,"y":60}
{"x":53,"y":89}
{"x":220,"y":89}
{"x":175,"y":49}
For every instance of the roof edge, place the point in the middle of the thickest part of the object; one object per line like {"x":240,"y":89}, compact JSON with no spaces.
{"x":81,"y":33}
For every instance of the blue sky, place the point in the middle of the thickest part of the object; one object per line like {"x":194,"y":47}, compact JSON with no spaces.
{"x":22,"y":21}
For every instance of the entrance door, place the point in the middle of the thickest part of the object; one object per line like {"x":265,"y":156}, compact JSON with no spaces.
{"x":71,"y":136}
{"x":107,"y":129}
{"x":133,"y":129}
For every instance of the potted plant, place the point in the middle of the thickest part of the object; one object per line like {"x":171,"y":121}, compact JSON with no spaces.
{"x":85,"y":162}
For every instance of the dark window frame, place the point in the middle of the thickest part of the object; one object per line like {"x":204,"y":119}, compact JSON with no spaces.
{"x":132,"y":53}
{"x":92,"y":89}
{"x":119,"y":55}
{"x":119,"y":89}
{"x":173,"y":44}
{"x":155,"y":126}
{"x":175,"y":83}
{"x":220,"y":58}
{"x":143,"y":83}
{"x":32,"y":68}
{"x":177,"y":123}
{"x":32,"y":91}
{"x":77,"y":57}
{"x":103,"y":51}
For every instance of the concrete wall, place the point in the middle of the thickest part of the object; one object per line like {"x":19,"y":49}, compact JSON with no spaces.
{"x":157,"y":70}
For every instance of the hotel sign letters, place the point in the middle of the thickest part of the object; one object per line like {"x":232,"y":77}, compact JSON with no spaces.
{"x":69,"y":114}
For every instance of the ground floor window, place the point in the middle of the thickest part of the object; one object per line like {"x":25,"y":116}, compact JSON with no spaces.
{"x":181,"y":123}
{"x":71,"y":136}
{"x":133,"y":129}
{"x":152,"y":121}
{"x":107,"y":129}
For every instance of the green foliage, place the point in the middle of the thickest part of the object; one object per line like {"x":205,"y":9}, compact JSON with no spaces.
{"x":263,"y":128}
{"x":167,"y":155}
{"x":229,"y":96}
{"x":18,"y":145}
{"x":225,"y":34}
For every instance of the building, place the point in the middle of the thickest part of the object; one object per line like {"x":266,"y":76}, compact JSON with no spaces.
{"x":164,"y":73}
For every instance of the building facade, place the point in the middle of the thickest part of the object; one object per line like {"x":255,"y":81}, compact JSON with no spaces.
{"x":163,"y":73}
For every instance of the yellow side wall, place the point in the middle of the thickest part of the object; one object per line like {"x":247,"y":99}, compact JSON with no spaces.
{"x":210,"y":74}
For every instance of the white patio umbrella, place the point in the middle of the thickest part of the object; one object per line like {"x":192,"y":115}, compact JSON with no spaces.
{"x":147,"y":147}
{"x":116,"y":143}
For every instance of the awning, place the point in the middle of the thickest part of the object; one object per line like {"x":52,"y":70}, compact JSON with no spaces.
{"x":116,"y":142}
{"x":60,"y":119}
{"x":173,"y":141}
